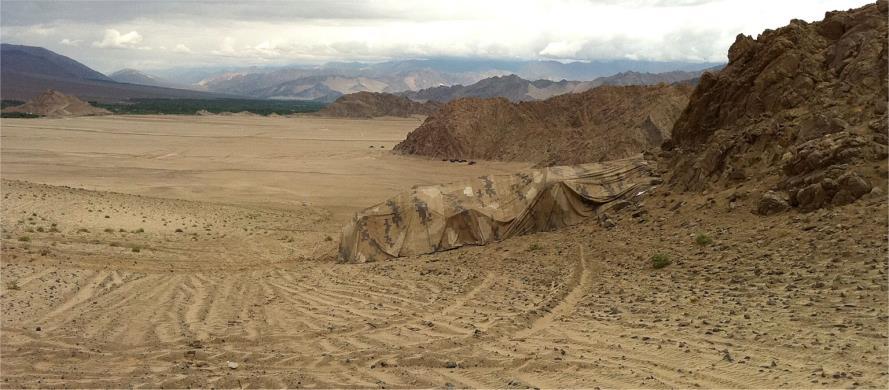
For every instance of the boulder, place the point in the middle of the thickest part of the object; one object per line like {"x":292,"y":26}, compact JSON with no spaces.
{"x":772,"y":203}
{"x":850,"y":187}
{"x":811,"y":197}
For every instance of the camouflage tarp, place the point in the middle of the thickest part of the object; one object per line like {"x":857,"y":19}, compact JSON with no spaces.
{"x":489,"y":208}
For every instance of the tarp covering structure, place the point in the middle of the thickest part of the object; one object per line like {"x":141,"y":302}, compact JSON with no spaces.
{"x":489,"y":208}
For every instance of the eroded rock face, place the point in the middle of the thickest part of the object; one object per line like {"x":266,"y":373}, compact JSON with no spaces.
{"x":604,"y":123}
{"x":824,"y":152}
{"x":823,"y":171}
{"x":377,"y":104}
{"x":794,"y":107}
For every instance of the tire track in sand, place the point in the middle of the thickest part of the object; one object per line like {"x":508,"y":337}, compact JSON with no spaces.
{"x":461,"y":300}
{"x":580,"y":285}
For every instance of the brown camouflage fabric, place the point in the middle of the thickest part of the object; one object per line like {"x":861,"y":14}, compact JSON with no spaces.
{"x":489,"y":208}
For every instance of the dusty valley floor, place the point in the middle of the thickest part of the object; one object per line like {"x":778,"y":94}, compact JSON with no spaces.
{"x":339,"y":165}
{"x":174,"y":251}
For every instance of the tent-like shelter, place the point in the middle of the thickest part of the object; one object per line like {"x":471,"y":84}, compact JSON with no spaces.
{"x":489,"y":208}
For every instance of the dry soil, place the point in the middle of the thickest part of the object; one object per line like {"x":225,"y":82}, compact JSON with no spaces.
{"x":194,"y":252}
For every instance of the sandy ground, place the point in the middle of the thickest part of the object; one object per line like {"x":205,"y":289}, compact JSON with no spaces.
{"x":187,"y":271}
{"x":340,"y":165}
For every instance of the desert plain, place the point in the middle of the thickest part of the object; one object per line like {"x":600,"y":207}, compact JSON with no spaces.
{"x":199,"y":251}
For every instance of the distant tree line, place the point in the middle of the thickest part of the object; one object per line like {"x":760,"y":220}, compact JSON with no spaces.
{"x":190,"y":106}
{"x":18,"y":115}
{"x":216,"y":106}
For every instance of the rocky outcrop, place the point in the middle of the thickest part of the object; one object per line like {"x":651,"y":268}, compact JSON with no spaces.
{"x":800,"y":110}
{"x":772,"y":203}
{"x":373,"y":104}
{"x":53,"y":103}
{"x":604,"y":123}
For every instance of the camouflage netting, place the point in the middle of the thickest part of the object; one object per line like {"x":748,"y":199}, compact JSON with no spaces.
{"x":489,"y":208}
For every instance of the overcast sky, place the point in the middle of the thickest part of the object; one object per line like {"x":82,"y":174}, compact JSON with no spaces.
{"x":156,"y":34}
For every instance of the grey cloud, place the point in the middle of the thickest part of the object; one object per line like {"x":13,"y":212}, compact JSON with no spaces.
{"x":654,"y":3}
{"x":19,"y":13}
{"x":276,"y":32}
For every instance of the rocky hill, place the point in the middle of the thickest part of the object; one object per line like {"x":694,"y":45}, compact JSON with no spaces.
{"x":56,"y":104}
{"x":371,"y":104}
{"x":603,"y":123}
{"x":28,"y":71}
{"x":511,"y":87}
{"x":39,"y":61}
{"x":800,"y":111}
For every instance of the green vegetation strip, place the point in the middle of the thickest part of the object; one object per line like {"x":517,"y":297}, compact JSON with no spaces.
{"x":216,"y":106}
{"x":18,"y":115}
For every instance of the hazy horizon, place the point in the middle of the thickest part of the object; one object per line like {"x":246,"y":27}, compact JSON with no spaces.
{"x":110,"y":36}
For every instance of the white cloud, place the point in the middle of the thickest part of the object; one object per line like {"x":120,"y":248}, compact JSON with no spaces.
{"x":691,"y":30}
{"x":561,"y":49}
{"x":267,"y":49}
{"x":251,"y":33}
{"x":226,"y":47}
{"x":114,"y":39}
{"x":181,"y":48}
{"x":71,"y":42}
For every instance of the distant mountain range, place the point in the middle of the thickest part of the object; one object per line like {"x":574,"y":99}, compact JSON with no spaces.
{"x":511,"y":87}
{"x":133,"y":76}
{"x":636,"y":78}
{"x":517,"y":89}
{"x":329,"y":81}
{"x":28,"y":71}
